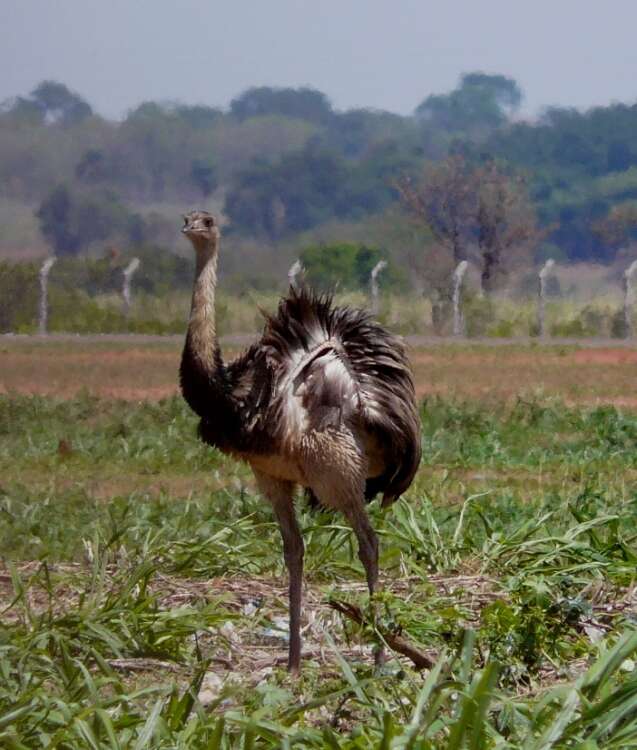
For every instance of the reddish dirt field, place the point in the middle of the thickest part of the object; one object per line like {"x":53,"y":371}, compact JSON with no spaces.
{"x":606,"y":356}
{"x":139,"y":369}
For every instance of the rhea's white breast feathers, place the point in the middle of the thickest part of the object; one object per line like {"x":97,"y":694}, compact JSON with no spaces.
{"x":317,"y":391}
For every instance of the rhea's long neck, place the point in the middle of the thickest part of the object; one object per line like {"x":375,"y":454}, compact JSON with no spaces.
{"x":202,"y":332}
{"x":204,"y":380}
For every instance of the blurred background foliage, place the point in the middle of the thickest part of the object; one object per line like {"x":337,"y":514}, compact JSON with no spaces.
{"x":463,"y":177}
{"x":282,"y":161}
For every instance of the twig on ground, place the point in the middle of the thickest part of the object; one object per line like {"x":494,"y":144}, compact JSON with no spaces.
{"x":393,"y":640}
{"x":141,"y":665}
{"x":282,"y":659}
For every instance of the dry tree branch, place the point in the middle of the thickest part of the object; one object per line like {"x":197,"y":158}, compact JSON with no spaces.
{"x":141,"y":665}
{"x":395,"y":641}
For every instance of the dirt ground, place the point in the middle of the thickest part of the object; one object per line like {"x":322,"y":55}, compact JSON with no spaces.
{"x":147,"y":368}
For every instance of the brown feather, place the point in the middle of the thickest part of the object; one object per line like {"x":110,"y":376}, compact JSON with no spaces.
{"x":338,"y":366}
{"x":342,"y":366}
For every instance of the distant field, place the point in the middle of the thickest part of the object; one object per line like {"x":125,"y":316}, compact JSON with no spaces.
{"x":148,"y":369}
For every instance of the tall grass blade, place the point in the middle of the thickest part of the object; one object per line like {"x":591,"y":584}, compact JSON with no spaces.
{"x":150,"y":727}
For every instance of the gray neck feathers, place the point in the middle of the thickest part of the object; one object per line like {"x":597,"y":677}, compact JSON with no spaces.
{"x":202,"y":323}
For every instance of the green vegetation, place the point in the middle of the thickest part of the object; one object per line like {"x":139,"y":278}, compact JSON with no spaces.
{"x":292,"y":178}
{"x":346,"y":265}
{"x":511,"y":561}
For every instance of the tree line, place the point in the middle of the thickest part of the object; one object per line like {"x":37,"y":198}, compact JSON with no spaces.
{"x":282,"y":164}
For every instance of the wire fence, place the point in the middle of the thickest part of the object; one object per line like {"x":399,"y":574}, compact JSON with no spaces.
{"x":89,"y":296}
{"x":99,"y":298}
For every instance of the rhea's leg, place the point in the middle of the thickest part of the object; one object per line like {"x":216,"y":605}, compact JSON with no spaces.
{"x":367,"y":553}
{"x":293,"y":553}
{"x":339,"y":482}
{"x":367,"y":541}
{"x":280,"y":495}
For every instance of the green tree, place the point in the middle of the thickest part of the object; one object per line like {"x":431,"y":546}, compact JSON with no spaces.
{"x":59,"y":104}
{"x":92,"y":166}
{"x":347,"y":265}
{"x":357,"y":131}
{"x":71,"y":221}
{"x":203,"y":173}
{"x":296,"y":193}
{"x":478,"y":105}
{"x":54,"y":215}
{"x":198,"y":116}
{"x":301,"y":103}
{"x":23,"y":111}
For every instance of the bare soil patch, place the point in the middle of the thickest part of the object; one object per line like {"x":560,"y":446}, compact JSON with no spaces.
{"x":605,"y":356}
{"x":148,"y":370}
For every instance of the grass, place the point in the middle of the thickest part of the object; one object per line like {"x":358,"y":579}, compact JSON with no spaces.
{"x":143,"y":587}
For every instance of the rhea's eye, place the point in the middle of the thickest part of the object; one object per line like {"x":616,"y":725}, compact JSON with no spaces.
{"x":208,"y":223}
{"x":185,"y":221}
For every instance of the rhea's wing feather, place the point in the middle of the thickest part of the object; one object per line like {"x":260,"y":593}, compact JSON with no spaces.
{"x":380,"y":363}
{"x":250,"y":383}
{"x":342,"y":365}
{"x":234,"y":421}
{"x":241,"y":373}
{"x":313,"y":386}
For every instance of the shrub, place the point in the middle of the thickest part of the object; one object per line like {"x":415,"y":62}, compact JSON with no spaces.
{"x":479,"y":314}
{"x":589,"y":321}
{"x":18,"y":296}
{"x":347,"y":265}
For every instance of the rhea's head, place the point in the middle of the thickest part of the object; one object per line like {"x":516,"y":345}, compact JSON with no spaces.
{"x":202,"y":230}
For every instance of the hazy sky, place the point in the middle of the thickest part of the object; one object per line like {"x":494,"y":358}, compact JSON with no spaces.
{"x":375,"y":53}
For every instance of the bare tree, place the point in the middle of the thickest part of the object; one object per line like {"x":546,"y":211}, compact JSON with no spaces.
{"x":465,"y":207}
{"x":506,"y":222}
{"x":445,"y":201}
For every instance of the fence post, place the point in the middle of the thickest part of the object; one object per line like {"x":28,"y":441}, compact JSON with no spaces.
{"x":44,"y":307}
{"x":128,"y":275}
{"x":544,"y":272}
{"x":373,"y":285}
{"x":458,"y":276}
{"x":296,"y":270}
{"x":628,"y":299}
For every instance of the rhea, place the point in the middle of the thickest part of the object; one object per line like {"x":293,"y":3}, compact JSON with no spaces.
{"x":324,"y":400}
